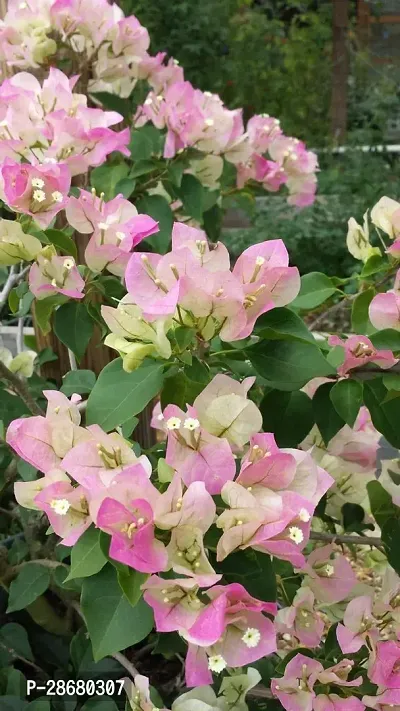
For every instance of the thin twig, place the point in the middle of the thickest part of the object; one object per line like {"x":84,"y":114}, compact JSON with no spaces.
{"x":43,"y":561}
{"x":355,"y":540}
{"x":260,"y":692}
{"x":20,"y":387}
{"x":12,"y":279}
{"x":72,"y":360}
{"x":331,"y":310}
{"x":20,"y":335}
{"x":125,"y":663}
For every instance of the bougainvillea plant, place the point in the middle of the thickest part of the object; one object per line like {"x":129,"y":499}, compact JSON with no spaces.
{"x":226,"y":559}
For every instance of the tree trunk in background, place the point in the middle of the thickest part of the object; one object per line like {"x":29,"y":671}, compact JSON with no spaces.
{"x":340,"y":69}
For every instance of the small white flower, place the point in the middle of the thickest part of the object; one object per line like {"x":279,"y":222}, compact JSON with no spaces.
{"x":68,"y":264}
{"x":60,"y":506}
{"x":103,"y":226}
{"x":191,"y":423}
{"x":148,"y":101}
{"x":304,"y":515}
{"x":173,"y":423}
{"x":37,"y":183}
{"x":329,"y":570}
{"x":209,"y":122}
{"x":287,"y":637}
{"x":296,"y":534}
{"x":54,"y":282}
{"x":57,"y":196}
{"x":120,"y":236}
{"x":49,"y":160}
{"x":251,"y":637}
{"x":260,"y":261}
{"x":39,"y":195}
{"x":216,"y":663}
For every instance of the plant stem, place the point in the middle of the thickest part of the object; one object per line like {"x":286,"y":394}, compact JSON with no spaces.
{"x":355,"y":540}
{"x":20,"y":388}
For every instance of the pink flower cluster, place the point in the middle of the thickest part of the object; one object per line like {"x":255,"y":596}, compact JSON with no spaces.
{"x":358,"y":351}
{"x":117,"y":51}
{"x":94,"y":477}
{"x":262,"y":153}
{"x":295,"y":689}
{"x":197,"y":283}
{"x":48,"y":123}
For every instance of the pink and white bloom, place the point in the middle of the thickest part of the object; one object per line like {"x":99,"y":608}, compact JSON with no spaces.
{"x":40,"y":191}
{"x":329,"y":575}
{"x":195,"y":453}
{"x":225,"y":411}
{"x":268,"y":281}
{"x":231,"y":630}
{"x":384,"y":309}
{"x":358,"y":625}
{"x":295,"y":690}
{"x":385,"y":669}
{"x":52,"y":274}
{"x":116,"y":228}
{"x":384,"y":700}
{"x":333,"y":702}
{"x":44,"y":441}
{"x":175,"y":602}
{"x":359,"y":350}
{"x":98,"y":460}
{"x":67,"y":509}
{"x":301,"y":619}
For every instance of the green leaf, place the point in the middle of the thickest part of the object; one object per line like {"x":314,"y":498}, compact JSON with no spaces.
{"x":113,"y":102}
{"x":390,"y":536}
{"x":385,"y":415}
{"x":87,"y":558}
{"x":65,"y":244}
{"x":282,"y":323}
{"x":253,"y":570}
{"x":13,"y":301}
{"x":106,"y":177}
{"x":130,"y":582}
{"x":375,"y":263}
{"x":191,"y":193}
{"x":78,"y":381}
{"x":31,"y":582}
{"x":347,"y":398}
{"x":142,"y":167}
{"x":158,"y":208}
{"x":141,"y":145}
{"x":388,"y":339}
{"x":126,"y":187}
{"x":360,"y":322}
{"x":315,"y":289}
{"x":288,"y":365}
{"x":113,"y":624}
{"x":13,"y":703}
{"x":118,"y":395}
{"x":382,"y":506}
{"x":391,"y":381}
{"x":99,"y":703}
{"x":84,"y":665}
{"x":74,"y":327}
{"x":353,"y":516}
{"x":289,"y":415}
{"x":11,"y":407}
{"x":328,"y":420}
{"x":39,"y":705}
{"x":44,"y":310}
{"x":15,"y":638}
